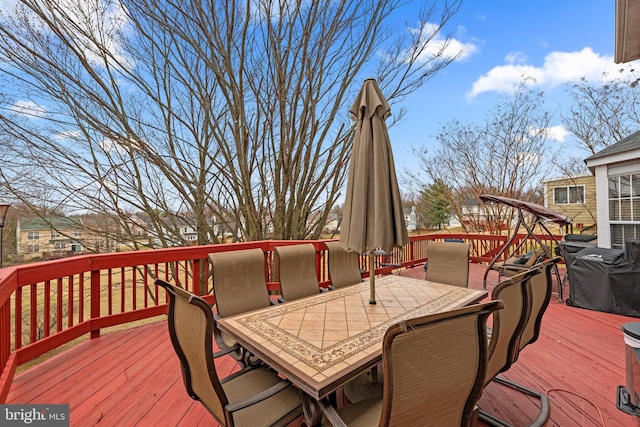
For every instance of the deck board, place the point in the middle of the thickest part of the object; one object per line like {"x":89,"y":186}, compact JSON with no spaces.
{"x":132,"y":377}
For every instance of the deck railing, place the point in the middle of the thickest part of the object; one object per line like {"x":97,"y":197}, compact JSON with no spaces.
{"x":47,"y":304}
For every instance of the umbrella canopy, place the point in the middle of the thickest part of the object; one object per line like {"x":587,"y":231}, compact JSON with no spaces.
{"x":372,"y":214}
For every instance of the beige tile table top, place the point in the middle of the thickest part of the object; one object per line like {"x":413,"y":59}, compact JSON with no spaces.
{"x":322,"y":341}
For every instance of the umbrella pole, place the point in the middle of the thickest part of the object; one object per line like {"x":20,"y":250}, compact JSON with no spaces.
{"x":372,"y":277}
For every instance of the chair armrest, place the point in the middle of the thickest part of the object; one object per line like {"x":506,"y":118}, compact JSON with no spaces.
{"x":252,"y":400}
{"x":331,"y":414}
{"x":512,"y":267}
{"x":217,"y":336}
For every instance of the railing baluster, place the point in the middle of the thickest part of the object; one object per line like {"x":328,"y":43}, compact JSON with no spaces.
{"x":122,"y":290}
{"x":47,"y":308}
{"x":81,"y":298}
{"x":33,"y":313}
{"x":110,"y":292}
{"x":70,"y":304}
{"x":134,"y":281}
{"x":59,"y":305}
{"x":18,"y":319}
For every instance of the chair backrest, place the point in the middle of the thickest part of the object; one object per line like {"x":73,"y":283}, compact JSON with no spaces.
{"x":239,"y":282}
{"x":297,"y":271}
{"x":344,"y":267}
{"x":509,"y":323}
{"x":434,"y":367}
{"x":191,"y":326}
{"x":448,"y":263}
{"x":539,"y":289}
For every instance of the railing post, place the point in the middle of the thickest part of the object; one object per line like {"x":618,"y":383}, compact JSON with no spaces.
{"x":95,"y":300}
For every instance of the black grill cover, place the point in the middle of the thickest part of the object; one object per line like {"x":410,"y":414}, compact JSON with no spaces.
{"x":605,"y":280}
{"x":569,"y":251}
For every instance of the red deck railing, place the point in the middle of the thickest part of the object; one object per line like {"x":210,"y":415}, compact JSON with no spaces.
{"x":47,"y":304}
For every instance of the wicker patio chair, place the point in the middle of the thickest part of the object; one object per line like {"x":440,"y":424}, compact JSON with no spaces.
{"x":239,"y":286}
{"x":448,"y":263}
{"x":539,"y":289}
{"x":254,"y":396}
{"x":434,"y":368}
{"x":344,"y":267}
{"x":297,"y":271}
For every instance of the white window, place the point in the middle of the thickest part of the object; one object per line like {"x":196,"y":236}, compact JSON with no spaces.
{"x":55,"y":234}
{"x":32,"y":249}
{"x":60,"y":246}
{"x":624,"y":208}
{"x":33,"y":235}
{"x":571,"y":194}
{"x":77,"y":233}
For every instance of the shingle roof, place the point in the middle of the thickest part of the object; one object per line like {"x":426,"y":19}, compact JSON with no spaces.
{"x":632,"y":142}
{"x":58,"y":222}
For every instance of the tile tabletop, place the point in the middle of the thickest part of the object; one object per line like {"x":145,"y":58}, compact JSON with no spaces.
{"x":322,"y":341}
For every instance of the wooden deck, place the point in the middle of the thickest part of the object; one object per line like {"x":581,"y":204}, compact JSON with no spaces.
{"x":132,"y":377}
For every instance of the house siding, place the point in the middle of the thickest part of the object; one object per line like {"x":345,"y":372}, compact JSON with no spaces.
{"x":582,"y":214}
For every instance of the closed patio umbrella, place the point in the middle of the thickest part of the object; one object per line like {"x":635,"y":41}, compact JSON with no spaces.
{"x":372,"y":214}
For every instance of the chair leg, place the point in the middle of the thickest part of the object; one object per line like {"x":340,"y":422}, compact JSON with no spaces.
{"x":492,"y":420}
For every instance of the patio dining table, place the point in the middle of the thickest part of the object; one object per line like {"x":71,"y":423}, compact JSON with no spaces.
{"x":322,"y":342}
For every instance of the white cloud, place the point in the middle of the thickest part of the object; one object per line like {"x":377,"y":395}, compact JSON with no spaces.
{"x":558,"y":68}
{"x":437,"y":46}
{"x":557,"y":133}
{"x":516,"y":58}
{"x":29,"y":108}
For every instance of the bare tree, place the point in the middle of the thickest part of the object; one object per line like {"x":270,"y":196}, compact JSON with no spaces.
{"x":601,"y":113}
{"x":216,"y":112}
{"x":503,"y":156}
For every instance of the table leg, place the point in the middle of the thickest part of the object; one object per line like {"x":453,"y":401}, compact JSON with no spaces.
{"x":311,"y":409}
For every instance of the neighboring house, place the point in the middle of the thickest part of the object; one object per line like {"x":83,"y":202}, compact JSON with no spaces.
{"x":333,"y":223}
{"x":35,"y":236}
{"x":473,"y":215}
{"x":53,"y":237}
{"x":574,"y":197}
{"x":58,"y":237}
{"x":411,"y":218}
{"x":617,"y":172}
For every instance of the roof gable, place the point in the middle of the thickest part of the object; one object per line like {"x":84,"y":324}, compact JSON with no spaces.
{"x":632,"y":142}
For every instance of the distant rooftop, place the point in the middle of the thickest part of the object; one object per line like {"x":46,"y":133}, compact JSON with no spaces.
{"x":57,"y":222}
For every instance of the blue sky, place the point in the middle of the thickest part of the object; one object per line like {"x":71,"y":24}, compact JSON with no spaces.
{"x":554,"y":41}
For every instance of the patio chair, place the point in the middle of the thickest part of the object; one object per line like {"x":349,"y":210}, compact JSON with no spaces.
{"x":239,"y":286}
{"x":254,"y":396}
{"x":448,"y":263}
{"x":433,"y":370}
{"x":344,"y":267}
{"x":539,"y":289}
{"x":390,"y":260}
{"x":520,"y":263}
{"x":508,"y":327}
{"x":297,"y":271}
